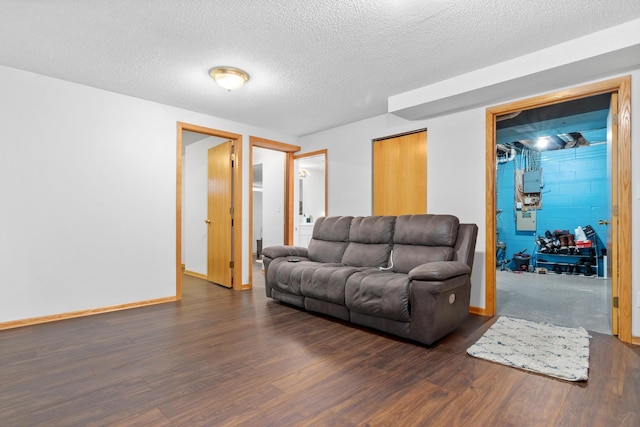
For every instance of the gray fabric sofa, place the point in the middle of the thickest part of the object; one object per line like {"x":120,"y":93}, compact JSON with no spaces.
{"x":408,"y":275}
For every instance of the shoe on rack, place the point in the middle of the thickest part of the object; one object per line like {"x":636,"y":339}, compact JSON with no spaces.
{"x":571,"y":243}
{"x":564,"y":241}
{"x":588,"y":270}
{"x":576,"y":269}
{"x":564,"y":247}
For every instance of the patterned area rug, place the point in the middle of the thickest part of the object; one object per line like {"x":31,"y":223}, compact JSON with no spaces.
{"x":547,"y":349}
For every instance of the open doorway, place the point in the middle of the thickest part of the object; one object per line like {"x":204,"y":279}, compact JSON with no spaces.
{"x":620,"y":225}
{"x":268,"y":197}
{"x":271,"y":165}
{"x":194,"y":201}
{"x":191,"y":218}
{"x":553,"y":197}
{"x":310,"y":196}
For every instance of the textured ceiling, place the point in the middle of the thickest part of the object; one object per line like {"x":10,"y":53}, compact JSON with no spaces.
{"x":313,"y":64}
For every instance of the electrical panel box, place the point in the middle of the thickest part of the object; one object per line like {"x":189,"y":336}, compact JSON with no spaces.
{"x":526,"y":220}
{"x":531,"y":181}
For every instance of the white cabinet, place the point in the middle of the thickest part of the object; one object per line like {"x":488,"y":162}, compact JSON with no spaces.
{"x":305,"y":231}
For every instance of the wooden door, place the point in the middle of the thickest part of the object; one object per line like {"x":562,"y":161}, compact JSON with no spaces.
{"x":220,"y":214}
{"x":400,"y":175}
{"x":611,"y":267}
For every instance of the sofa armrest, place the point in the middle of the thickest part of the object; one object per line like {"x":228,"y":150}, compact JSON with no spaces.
{"x":439,"y":270}
{"x":274,"y":252}
{"x":438,"y":307}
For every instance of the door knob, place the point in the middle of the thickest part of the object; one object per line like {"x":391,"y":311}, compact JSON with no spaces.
{"x":603,"y":222}
{"x":207,"y":221}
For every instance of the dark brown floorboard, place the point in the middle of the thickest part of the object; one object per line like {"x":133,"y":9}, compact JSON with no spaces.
{"x":223,"y":357}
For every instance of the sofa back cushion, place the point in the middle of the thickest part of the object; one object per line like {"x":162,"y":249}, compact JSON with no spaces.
{"x":330,"y":238}
{"x":419,"y":239}
{"x":370,"y":241}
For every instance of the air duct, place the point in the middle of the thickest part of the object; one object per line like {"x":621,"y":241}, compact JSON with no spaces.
{"x":510,"y":157}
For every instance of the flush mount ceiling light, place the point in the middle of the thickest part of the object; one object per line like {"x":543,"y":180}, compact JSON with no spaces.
{"x":228,"y":77}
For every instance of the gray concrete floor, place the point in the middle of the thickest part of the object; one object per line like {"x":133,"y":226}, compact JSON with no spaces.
{"x":564,"y":300}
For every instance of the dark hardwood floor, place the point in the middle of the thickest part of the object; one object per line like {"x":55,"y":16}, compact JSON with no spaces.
{"x":223,"y":357}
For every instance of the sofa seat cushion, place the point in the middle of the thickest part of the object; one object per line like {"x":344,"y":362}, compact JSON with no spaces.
{"x":327,"y":283}
{"x":379,"y":293}
{"x":287,"y":276}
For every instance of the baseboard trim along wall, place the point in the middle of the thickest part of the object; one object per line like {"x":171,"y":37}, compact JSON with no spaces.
{"x":477,"y":310}
{"x":54,"y":317}
{"x":194,"y":274}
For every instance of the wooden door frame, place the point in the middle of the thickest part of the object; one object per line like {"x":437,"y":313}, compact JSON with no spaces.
{"x":288,"y":150}
{"x":236,"y":273}
{"x":622,"y":86}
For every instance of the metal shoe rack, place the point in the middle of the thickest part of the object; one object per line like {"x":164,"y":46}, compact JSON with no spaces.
{"x":569,"y":263}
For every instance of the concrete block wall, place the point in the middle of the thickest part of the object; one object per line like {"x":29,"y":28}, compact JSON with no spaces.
{"x":576,"y":192}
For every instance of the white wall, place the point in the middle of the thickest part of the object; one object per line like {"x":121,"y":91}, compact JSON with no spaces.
{"x":88,"y":179}
{"x":272,"y":195}
{"x":456,"y":174}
